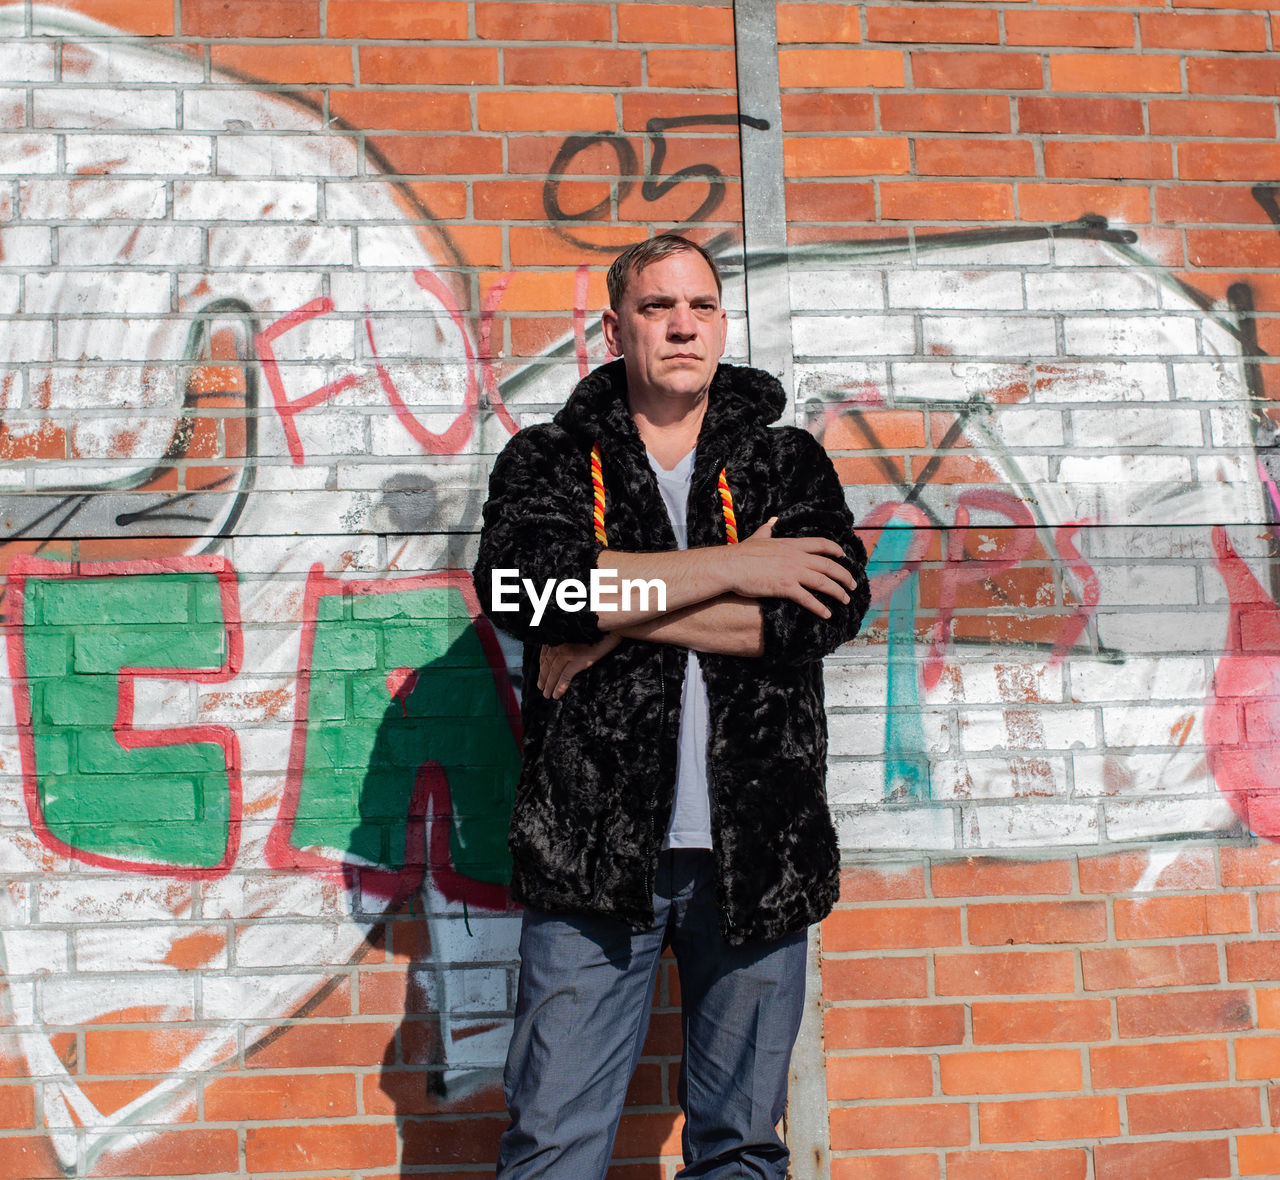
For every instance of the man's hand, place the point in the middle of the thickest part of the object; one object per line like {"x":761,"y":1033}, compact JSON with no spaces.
{"x":558,"y":665}
{"x":765,"y":566}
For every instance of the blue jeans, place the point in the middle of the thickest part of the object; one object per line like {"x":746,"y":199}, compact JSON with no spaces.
{"x":586,"y":984}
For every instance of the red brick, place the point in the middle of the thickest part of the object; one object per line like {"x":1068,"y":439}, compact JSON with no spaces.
{"x":946,"y":201}
{"x":881,"y":884}
{"x":324,"y":1044}
{"x":1048,"y":1118}
{"x":1121,"y":160}
{"x":178,"y":1153}
{"x":1041,"y":1022}
{"x":1062,"y":1163}
{"x":535,"y":154}
{"x":1074,"y":116}
{"x":1229,"y":913}
{"x":965,"y":26}
{"x":543,"y":22}
{"x":1194,"y":1110}
{"x":1003,"y":973}
{"x":674,"y":24}
{"x":1116,"y":1067}
{"x":521,"y":200}
{"x":419,"y":1091}
{"x":399,"y":110}
{"x":899,"y":1026}
{"x":1247,"y":867}
{"x":251,"y":18}
{"x":1258,"y":1155}
{"x":1223,"y":247}
{"x":928,"y":1125}
{"x":975,"y":157}
{"x":818,"y":24}
{"x":536,"y":246}
{"x":571,"y":67}
{"x":977,"y":71}
{"x":899,"y":1075}
{"x":830,"y":202}
{"x":891,"y":928}
{"x":29,"y":1157}
{"x":1037,"y":922}
{"x":440,"y":155}
{"x":828,"y":111}
{"x":891,"y":978}
{"x":1119,"y":73}
{"x":409,"y":20}
{"x":458,"y":65}
{"x":944,"y":112}
{"x":1253,"y":960}
{"x":301,"y":65}
{"x":1268,"y":1001}
{"x":1183,"y":1013}
{"x":639,"y":108}
{"x":647,"y":1135}
{"x":1198,"y":1159}
{"x":1222,"y":161}
{"x":697,"y":69}
{"x":1206,"y":117}
{"x":441,"y":1143}
{"x":1011,"y":1071}
{"x":119,"y":1052}
{"x":1067,"y":202}
{"x":1175,"y":917}
{"x":17,"y":1107}
{"x":1223,"y":204}
{"x":854,"y":471}
{"x":1150,"y":967}
{"x":542,"y":110}
{"x":840,"y":68}
{"x":846,"y":156}
{"x":1104,"y":30}
{"x":1120,"y":872}
{"x":249,"y":1098}
{"x":334,"y":1145}
{"x":885,"y":1167}
{"x":1237,"y":32}
{"x":1233,"y":75}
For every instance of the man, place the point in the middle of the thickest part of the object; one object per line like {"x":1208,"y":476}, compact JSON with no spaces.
{"x":673,"y":785}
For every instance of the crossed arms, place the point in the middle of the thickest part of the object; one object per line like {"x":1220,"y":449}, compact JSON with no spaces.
{"x":791,"y":592}
{"x":711,"y":598}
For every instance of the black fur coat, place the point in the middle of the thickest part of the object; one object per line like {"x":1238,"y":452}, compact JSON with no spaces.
{"x":598,"y":775}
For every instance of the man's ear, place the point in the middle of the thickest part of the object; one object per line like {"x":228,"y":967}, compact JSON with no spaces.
{"x":609,"y":325}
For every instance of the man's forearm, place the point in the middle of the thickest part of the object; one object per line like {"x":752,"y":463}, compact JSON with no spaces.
{"x":727,"y":625}
{"x":690,"y":577}
{"x":762,"y":566}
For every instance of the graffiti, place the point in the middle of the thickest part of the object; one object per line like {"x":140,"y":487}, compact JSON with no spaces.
{"x":247,"y":417}
{"x":1031,"y":502}
{"x":653,"y":187}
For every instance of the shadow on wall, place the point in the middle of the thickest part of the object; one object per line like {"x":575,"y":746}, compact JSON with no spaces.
{"x":429,"y":855}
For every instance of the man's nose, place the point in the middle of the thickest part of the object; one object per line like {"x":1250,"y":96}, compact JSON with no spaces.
{"x":681,"y":322}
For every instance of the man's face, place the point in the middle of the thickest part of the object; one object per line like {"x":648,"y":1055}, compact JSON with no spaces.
{"x":670,"y":329}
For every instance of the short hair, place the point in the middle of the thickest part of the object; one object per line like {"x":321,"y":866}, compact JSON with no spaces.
{"x":642,"y":254}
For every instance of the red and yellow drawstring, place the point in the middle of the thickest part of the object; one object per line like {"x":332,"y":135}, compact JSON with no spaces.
{"x":597,"y":495}
{"x":597,"y":501}
{"x":726,"y":506}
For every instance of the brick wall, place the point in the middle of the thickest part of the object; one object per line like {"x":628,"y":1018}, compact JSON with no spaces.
{"x":279,"y":278}
{"x":1084,"y":1016}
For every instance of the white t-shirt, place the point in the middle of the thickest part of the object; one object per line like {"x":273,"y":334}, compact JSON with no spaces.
{"x":690,"y":825}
